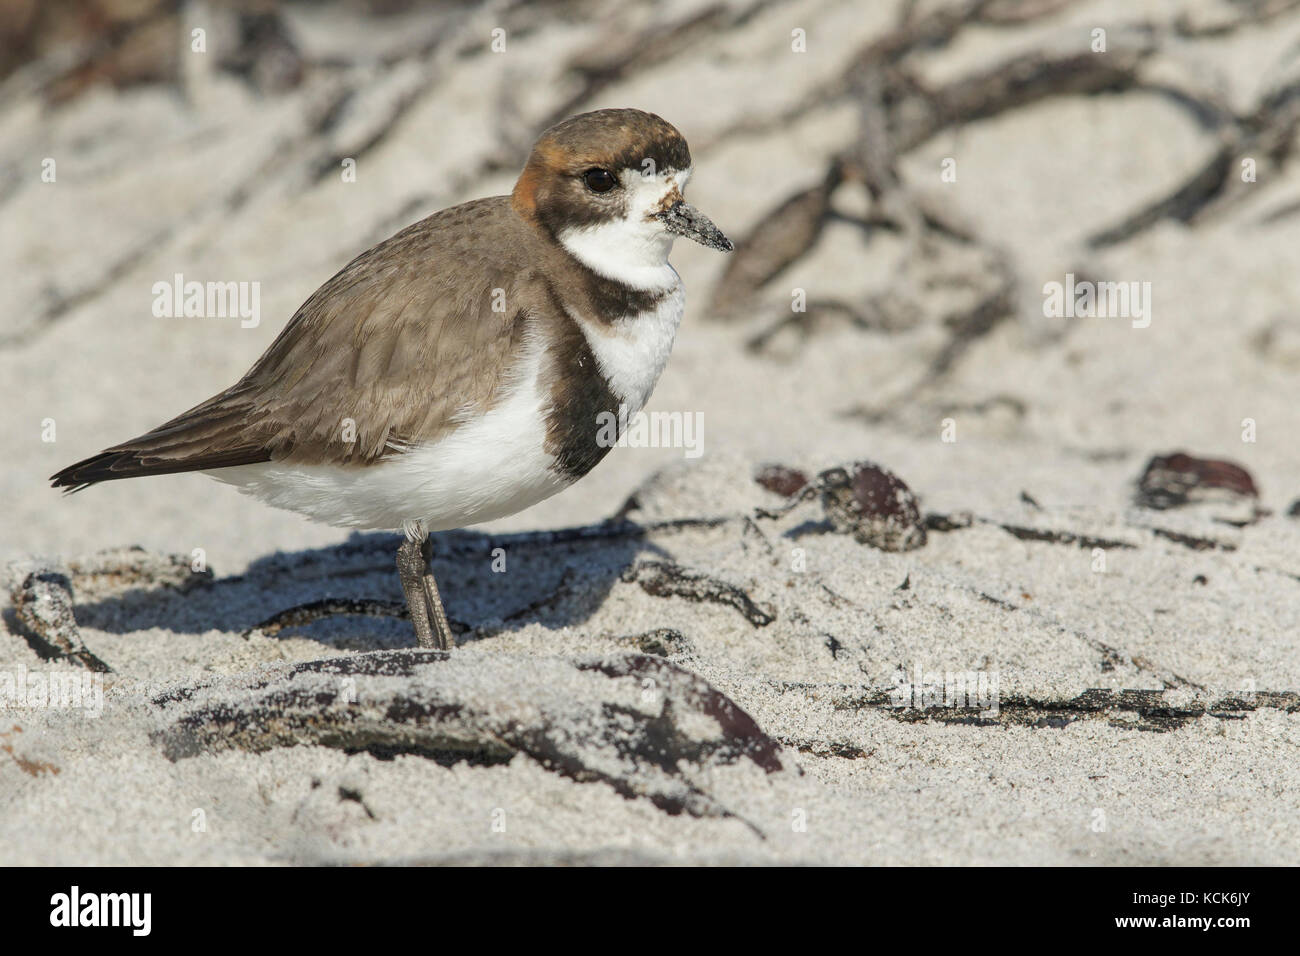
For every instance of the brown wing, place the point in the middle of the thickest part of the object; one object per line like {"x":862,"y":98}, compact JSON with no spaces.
{"x":411,"y":334}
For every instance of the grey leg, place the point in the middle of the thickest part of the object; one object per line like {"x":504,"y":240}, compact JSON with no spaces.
{"x":410,"y":566}
{"x":437,"y":616}
{"x":422,"y":599}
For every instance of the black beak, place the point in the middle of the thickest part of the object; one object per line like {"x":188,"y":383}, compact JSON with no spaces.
{"x":683,"y":219}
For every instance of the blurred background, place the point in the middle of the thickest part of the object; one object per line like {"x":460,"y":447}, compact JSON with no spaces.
{"x":903,"y":179}
{"x":907,"y":182}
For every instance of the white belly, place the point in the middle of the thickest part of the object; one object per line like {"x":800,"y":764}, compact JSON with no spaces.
{"x":488,"y":468}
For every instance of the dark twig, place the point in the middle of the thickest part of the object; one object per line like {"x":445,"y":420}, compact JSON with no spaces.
{"x":43,"y":605}
{"x":664,"y":579}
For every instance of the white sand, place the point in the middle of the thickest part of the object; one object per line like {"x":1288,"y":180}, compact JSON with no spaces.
{"x":1067,"y":411}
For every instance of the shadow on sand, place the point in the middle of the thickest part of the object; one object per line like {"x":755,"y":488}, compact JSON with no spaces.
{"x":489,"y":583}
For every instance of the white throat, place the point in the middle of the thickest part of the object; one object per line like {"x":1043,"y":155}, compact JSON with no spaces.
{"x":632,"y":250}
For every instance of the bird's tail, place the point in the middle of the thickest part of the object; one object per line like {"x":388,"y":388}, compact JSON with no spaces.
{"x":212,"y":435}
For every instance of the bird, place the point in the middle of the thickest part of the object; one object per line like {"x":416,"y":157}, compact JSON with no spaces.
{"x":461,"y":370}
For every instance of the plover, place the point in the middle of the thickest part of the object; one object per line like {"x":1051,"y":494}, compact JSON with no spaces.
{"x":456,"y":372}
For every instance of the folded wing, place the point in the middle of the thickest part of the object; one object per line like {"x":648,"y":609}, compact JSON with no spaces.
{"x":396,"y":349}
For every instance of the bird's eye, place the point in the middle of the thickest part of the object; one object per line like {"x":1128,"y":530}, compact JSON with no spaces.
{"x":598,"y":180}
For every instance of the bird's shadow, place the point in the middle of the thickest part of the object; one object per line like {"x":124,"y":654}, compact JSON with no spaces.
{"x":489,"y":583}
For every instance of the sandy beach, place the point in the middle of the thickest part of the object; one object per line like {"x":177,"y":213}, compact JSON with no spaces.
{"x":926,"y":574}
